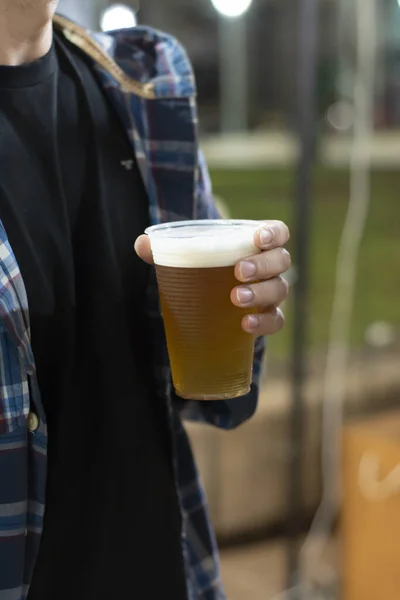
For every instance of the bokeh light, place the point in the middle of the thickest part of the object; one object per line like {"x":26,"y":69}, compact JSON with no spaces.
{"x":118,"y":16}
{"x":231,"y":8}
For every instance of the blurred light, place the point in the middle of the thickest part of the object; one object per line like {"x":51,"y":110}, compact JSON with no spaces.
{"x":118,"y":16}
{"x":380,"y":334}
{"x":341,"y":115}
{"x":232,"y":8}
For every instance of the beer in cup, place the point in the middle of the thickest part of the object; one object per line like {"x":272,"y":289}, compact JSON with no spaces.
{"x":211,"y":355}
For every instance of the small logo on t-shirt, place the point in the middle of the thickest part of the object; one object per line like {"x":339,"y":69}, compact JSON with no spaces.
{"x":127,"y":164}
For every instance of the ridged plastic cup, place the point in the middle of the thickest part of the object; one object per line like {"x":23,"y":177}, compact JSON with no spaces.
{"x":211,"y":355}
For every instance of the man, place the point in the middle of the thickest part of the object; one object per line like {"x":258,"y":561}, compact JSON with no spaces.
{"x":98,"y":140}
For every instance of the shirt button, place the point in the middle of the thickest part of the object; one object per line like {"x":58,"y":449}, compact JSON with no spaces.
{"x":32,"y":422}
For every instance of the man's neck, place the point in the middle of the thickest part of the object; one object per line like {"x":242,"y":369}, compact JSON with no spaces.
{"x":25,"y":30}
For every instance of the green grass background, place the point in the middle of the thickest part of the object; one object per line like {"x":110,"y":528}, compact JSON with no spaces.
{"x":264,"y":194}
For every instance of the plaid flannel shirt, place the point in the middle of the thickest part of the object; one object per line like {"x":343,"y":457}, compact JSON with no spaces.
{"x":149,"y":81}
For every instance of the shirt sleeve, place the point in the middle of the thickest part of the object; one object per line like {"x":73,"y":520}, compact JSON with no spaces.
{"x":224,"y":414}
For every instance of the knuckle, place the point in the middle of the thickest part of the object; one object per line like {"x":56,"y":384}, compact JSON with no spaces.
{"x":287,"y":259}
{"x":285,"y":287}
{"x":280,"y":290}
{"x":280,"y":319}
{"x":286,"y":232}
{"x":273,"y":322}
{"x":283,"y":233}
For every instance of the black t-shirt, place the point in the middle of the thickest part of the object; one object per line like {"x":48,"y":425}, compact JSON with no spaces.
{"x":72,"y":202}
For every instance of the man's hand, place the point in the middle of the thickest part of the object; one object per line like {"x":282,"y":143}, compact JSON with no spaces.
{"x":264,"y":286}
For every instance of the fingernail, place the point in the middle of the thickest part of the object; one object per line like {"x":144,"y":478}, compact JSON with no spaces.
{"x":266,"y":236}
{"x":245,"y":295}
{"x":247,"y":270}
{"x":253,"y":321}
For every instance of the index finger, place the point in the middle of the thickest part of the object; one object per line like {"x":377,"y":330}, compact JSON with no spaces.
{"x":272,"y":234}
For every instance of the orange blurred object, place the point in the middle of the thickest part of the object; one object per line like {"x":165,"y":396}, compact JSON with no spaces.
{"x":371,"y":509}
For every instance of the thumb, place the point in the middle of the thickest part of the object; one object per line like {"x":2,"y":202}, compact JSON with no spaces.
{"x":143,"y":249}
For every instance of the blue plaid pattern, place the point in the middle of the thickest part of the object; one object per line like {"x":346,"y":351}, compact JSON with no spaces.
{"x":162,"y":126}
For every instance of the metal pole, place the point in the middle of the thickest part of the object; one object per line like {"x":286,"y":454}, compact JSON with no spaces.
{"x":306,"y":94}
{"x":344,"y":83}
{"x":233,"y":74}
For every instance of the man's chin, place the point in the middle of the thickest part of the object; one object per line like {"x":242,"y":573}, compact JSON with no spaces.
{"x":51,"y":5}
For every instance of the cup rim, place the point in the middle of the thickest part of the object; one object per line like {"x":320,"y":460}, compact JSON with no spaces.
{"x":154,"y":229}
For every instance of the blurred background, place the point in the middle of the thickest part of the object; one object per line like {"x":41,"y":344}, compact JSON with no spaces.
{"x":300,"y":120}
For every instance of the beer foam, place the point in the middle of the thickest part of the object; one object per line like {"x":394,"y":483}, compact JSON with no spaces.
{"x":203,"y":244}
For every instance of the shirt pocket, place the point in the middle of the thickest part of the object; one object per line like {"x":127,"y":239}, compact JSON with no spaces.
{"x":14,"y":386}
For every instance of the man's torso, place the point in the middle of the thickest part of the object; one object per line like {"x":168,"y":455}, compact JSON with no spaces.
{"x":77,"y":206}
